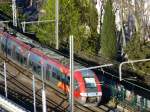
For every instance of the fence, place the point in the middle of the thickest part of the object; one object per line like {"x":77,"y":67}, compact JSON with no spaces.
{"x":127,"y":95}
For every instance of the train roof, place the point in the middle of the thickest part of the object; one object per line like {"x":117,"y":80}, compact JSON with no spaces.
{"x":51,"y":54}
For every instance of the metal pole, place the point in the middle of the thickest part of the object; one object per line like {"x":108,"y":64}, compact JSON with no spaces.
{"x":5,"y":77}
{"x":123,"y":35}
{"x":71,"y":76}
{"x":56,"y":23}
{"x":120,"y":72}
{"x":31,"y":22}
{"x":43,"y":91}
{"x":14,"y":13}
{"x":23,"y":26}
{"x":95,"y":67}
{"x":31,"y":2}
{"x":42,"y":21}
{"x":43,"y":86}
{"x":131,"y":61}
{"x":34,"y":97}
{"x":4,"y":22}
{"x":44,"y":100}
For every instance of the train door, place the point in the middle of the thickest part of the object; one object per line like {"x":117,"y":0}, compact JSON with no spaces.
{"x":9,"y":51}
{"x":36,"y":63}
{"x":76,"y":89}
{"x":48,"y":72}
{"x":21,"y":55}
{"x":52,"y":74}
{"x":14,"y":51}
{"x":36,"y":68}
{"x":55,"y":75}
{"x":3,"y":45}
{"x":1,"y":37}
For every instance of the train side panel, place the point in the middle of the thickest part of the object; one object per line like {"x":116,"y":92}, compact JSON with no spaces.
{"x":13,"y":50}
{"x":87,"y":87}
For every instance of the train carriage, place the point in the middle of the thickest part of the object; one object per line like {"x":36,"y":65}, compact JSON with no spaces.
{"x":14,"y":49}
{"x":53,"y":67}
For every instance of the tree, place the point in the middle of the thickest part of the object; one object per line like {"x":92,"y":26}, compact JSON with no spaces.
{"x":108,"y":37}
{"x":138,"y":47}
{"x":139,"y":50}
{"x":6,"y":8}
{"x":87,"y":27}
{"x":46,"y":31}
{"x":68,"y":22}
{"x":76,"y":17}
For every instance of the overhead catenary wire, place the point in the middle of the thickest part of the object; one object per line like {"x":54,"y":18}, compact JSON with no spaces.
{"x":126,"y":62}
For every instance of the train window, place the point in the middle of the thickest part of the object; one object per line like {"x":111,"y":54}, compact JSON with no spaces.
{"x":60,"y":74}
{"x":56,"y":73}
{"x":67,"y":80}
{"x":58,"y":77}
{"x":64,"y":79}
{"x":36,"y":68}
{"x":13,"y":51}
{"x":48,"y":72}
{"x":25,"y":60}
{"x":9,"y":51}
{"x":90,"y":82}
{"x":30,"y":63}
{"x":3,"y":47}
{"x":21,"y":59}
{"x":76,"y":85}
{"x":17,"y":56}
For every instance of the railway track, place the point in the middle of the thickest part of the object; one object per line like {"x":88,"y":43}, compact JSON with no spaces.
{"x":20,"y":80}
{"x":26,"y":91}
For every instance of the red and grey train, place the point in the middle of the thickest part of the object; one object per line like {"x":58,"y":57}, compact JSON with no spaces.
{"x":53,"y":66}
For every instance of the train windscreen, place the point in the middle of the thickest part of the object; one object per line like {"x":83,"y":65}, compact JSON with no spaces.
{"x":90,"y":82}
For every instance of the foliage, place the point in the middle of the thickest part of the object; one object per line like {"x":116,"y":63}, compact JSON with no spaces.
{"x":136,"y":49}
{"x":69,"y":20}
{"x":45,"y":31}
{"x":88,"y":26}
{"x":6,"y":8}
{"x":83,"y":17}
{"x":76,"y":17}
{"x":108,"y":38}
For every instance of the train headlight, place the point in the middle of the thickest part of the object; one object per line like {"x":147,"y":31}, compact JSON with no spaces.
{"x":99,"y":94}
{"x":83,"y":94}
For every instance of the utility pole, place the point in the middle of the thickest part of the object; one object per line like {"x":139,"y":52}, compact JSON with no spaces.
{"x":71,"y":92}
{"x":34,"y":97}
{"x":5,"y":77}
{"x":31,"y":2}
{"x":123,"y":34}
{"x":43,"y":91}
{"x":57,"y":23}
{"x":23,"y":26}
{"x":14,"y":13}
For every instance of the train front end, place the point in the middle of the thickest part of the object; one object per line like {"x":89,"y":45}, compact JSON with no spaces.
{"x":90,"y":88}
